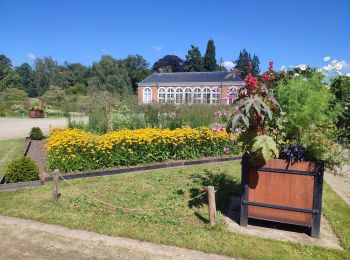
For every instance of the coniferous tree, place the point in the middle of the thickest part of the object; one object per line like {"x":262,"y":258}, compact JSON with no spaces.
{"x":209,"y":57}
{"x":194,"y":60}
{"x":242,"y":61}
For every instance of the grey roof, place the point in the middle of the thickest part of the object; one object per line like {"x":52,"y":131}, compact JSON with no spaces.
{"x":192,"y":77}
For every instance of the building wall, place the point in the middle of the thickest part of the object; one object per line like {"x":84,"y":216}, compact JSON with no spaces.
{"x":154,"y":90}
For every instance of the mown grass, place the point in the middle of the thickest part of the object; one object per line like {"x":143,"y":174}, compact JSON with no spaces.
{"x":179,"y":222}
{"x":9,"y":150}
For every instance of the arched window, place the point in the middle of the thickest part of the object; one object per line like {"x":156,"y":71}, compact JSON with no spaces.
{"x":170,"y":96}
{"x":147,"y":95}
{"x":197,"y":97}
{"x":215,"y":97}
{"x":206,"y":96}
{"x":161,"y":95}
{"x":179,"y":96}
{"x":188,"y":96}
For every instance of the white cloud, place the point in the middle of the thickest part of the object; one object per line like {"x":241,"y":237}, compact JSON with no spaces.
{"x":228,"y":64}
{"x":345,"y":65}
{"x":327,"y":58}
{"x":31,"y":56}
{"x":158,"y":48}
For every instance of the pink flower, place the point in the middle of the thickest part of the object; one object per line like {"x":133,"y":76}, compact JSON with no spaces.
{"x":226,"y":150}
{"x":218,"y":113}
{"x":222,"y":129}
{"x":233,"y":140}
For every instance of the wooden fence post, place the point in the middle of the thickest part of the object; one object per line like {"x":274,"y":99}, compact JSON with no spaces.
{"x":55,"y":179}
{"x":211,"y":205}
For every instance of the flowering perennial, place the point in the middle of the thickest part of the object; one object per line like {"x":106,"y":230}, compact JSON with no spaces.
{"x":74,"y":149}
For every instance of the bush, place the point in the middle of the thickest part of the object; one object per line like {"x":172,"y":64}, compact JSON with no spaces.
{"x":75,"y":149}
{"x":36,"y":134}
{"x":22,"y":169}
{"x":13,"y":94}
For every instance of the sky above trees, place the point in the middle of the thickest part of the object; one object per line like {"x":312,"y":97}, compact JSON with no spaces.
{"x":288,"y":32}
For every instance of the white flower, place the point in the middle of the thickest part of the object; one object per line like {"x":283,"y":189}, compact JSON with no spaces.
{"x":319,"y":70}
{"x":327,"y":68}
{"x":302,"y":66}
{"x":296,"y":75}
{"x":334,"y":61}
{"x":348,"y":75}
{"x":283,"y":68}
{"x":327,"y":58}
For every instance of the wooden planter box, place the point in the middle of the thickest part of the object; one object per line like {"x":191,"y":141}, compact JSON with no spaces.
{"x":282,"y":192}
{"x":36,"y":113}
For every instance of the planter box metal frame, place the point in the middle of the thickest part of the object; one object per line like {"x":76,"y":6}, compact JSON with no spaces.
{"x":36,"y":113}
{"x":261,"y":204}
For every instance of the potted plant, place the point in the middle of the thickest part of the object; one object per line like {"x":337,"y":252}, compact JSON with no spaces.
{"x":37,"y":110}
{"x":282,"y":189}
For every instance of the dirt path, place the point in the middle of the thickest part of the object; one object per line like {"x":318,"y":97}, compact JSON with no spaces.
{"x":24,"y":239}
{"x":11,"y":128}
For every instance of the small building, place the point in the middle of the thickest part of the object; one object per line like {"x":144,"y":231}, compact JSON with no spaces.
{"x":188,"y":87}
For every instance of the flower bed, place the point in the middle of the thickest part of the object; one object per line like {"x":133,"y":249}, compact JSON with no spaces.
{"x":75,"y":149}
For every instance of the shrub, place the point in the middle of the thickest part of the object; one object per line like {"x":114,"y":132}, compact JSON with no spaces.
{"x":13,"y":94}
{"x":75,"y":149}
{"x":22,"y":169}
{"x":36,"y":134}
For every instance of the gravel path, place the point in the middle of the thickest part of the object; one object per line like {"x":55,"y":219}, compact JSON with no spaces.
{"x":11,"y":128}
{"x":340,"y":183}
{"x":24,"y":239}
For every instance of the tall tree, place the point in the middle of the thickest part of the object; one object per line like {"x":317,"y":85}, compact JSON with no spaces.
{"x":138,"y":69}
{"x":47,"y":72}
{"x":7,"y":75}
{"x":173,"y":62}
{"x":26,"y":79}
{"x":110,"y":75}
{"x":210,"y":57}
{"x":194,"y":60}
{"x":242,"y":61}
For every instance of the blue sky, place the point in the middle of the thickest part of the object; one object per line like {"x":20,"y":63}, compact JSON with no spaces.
{"x":288,"y":32}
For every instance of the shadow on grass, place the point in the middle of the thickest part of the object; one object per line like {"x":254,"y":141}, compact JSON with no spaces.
{"x":225,"y":185}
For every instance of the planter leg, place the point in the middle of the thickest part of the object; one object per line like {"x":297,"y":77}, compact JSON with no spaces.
{"x":318,"y":185}
{"x":244,"y":208}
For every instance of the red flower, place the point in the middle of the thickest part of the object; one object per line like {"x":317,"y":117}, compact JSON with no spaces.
{"x":265,"y":77}
{"x":252,"y":82}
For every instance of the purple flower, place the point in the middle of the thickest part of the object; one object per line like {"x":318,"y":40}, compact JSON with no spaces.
{"x":233,"y":140}
{"x":225,"y":114}
{"x":222,"y":128}
{"x":226,"y":150}
{"x":237,"y":131}
{"x":218,"y":113}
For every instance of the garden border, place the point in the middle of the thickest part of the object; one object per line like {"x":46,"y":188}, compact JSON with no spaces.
{"x":115,"y":171}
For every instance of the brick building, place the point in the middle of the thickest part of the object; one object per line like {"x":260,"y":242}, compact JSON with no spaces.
{"x":188,"y":87}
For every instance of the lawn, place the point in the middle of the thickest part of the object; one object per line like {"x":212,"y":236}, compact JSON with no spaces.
{"x":10,"y":149}
{"x":171,"y":219}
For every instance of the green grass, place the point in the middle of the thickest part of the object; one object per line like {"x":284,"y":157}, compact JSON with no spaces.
{"x":180,"y":223}
{"x":10,"y":149}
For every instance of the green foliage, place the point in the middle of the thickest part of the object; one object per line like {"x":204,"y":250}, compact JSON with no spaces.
{"x":75,"y":89}
{"x":194,"y":60}
{"x":17,"y":110}
{"x":22,"y":169}
{"x":54,"y":96}
{"x":26,"y":79}
{"x":13,"y":94}
{"x":340,"y":87}
{"x":242,"y":61}
{"x":138,"y":69}
{"x":209,"y":61}
{"x":307,"y":103}
{"x":266,"y":146}
{"x":36,"y":134}
{"x":110,"y":75}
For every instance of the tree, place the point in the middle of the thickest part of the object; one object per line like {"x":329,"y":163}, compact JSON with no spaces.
{"x":209,"y":57}
{"x":54,"y":96}
{"x":340,"y":87}
{"x":220,"y":66}
{"x":71,"y":74}
{"x":138,"y":69}
{"x":7,"y":75}
{"x":110,"y":75}
{"x":194,"y":60}
{"x":170,"y":61}
{"x":26,"y":79}
{"x":47,"y":72}
{"x":242,"y":61}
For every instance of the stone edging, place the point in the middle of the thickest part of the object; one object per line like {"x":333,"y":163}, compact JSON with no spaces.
{"x":114,"y":171}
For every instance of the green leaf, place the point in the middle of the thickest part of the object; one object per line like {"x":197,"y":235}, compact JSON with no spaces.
{"x":265,"y":145}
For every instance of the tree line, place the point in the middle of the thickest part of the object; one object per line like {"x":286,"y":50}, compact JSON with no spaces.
{"x":118,"y":76}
